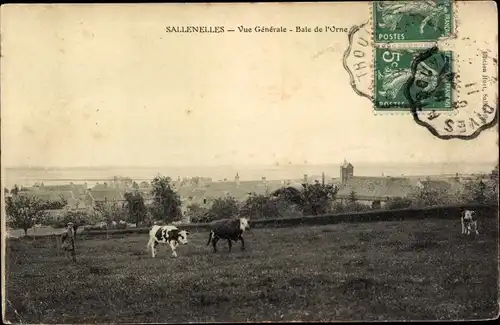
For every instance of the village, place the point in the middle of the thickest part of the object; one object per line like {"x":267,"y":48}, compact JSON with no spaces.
{"x":372,"y":192}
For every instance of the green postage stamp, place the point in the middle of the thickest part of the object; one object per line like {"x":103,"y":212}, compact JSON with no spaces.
{"x":413,"y":77}
{"x":412,"y":21}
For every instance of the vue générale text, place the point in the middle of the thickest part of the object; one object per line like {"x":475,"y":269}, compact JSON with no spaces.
{"x":255,"y":29}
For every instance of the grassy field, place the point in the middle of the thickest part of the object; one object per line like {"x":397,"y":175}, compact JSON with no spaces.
{"x":372,"y":271}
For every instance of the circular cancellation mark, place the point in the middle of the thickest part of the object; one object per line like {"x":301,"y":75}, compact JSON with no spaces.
{"x":472,"y":72}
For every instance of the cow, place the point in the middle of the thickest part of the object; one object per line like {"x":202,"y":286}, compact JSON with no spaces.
{"x":468,"y":222}
{"x":229,"y":229}
{"x":166,"y":234}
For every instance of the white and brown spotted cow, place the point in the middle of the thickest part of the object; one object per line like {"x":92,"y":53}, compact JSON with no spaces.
{"x":469,"y":223}
{"x":166,"y":235}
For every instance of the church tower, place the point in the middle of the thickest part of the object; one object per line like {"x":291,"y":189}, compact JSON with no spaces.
{"x":237,"y":179}
{"x":346,"y":171}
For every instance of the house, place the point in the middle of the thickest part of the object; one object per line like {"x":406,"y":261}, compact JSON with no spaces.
{"x":374,"y":191}
{"x":71,"y":192}
{"x":240,"y":190}
{"x":106,"y":195}
{"x":52,"y":195}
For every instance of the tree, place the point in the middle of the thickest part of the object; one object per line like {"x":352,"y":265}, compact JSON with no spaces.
{"x":494,"y":175}
{"x":353,"y":198}
{"x":353,"y":205}
{"x":166,"y":200}
{"x":24,"y":211}
{"x":398,"y":203}
{"x":196,"y":212}
{"x":79,"y":218}
{"x":261,"y":206}
{"x":223,"y":208}
{"x":136,"y":207}
{"x":429,"y":196}
{"x":313,"y":199}
{"x":108,"y":211}
{"x":481,"y":192}
{"x":493,"y":186}
{"x":55,"y":205}
{"x":290,"y":195}
{"x":14,"y":190}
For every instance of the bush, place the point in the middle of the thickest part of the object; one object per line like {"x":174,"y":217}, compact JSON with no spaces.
{"x":223,"y":208}
{"x":356,"y":207}
{"x":398,"y":203}
{"x":429,"y":196}
{"x":313,"y":199}
{"x":262,"y":206}
{"x":196,"y":212}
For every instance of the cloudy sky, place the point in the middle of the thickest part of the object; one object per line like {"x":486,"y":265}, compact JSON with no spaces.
{"x":91,"y":86}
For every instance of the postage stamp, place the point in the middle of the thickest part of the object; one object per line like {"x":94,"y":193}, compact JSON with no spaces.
{"x":430,"y":78}
{"x":412,"y":21}
{"x":451,"y":89}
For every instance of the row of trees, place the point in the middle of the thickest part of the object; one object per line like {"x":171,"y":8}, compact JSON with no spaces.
{"x":311,"y":199}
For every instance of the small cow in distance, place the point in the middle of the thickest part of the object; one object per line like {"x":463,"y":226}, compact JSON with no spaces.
{"x":229,"y":229}
{"x":468,"y":222}
{"x":166,"y":234}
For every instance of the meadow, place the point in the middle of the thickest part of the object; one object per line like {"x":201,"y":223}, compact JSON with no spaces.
{"x":390,"y":270}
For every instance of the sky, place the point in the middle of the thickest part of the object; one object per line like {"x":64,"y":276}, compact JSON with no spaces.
{"x":104,"y":85}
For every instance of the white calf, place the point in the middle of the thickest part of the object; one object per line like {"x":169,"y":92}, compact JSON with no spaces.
{"x":468,"y":222}
{"x":166,"y":234}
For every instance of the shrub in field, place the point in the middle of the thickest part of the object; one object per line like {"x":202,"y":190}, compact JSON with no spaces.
{"x":398,"y":203}
{"x":337,"y":207}
{"x":222,"y":208}
{"x":355,"y":207}
{"x":196,"y":212}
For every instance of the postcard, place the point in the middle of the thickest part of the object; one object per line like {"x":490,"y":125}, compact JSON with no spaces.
{"x":249,"y":162}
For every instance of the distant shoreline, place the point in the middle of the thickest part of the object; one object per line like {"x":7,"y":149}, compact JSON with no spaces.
{"x":28,"y":176}
{"x":263,"y":166}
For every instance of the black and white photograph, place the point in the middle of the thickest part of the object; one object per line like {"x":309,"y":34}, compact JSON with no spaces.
{"x":249,"y":162}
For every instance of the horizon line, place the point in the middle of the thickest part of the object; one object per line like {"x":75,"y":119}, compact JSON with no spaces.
{"x":248,"y":165}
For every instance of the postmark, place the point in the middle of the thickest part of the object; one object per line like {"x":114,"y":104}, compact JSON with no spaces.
{"x":473,"y":81}
{"x":431,"y":86}
{"x":412,"y":21}
{"x":476,"y":104}
{"x":358,"y":60}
